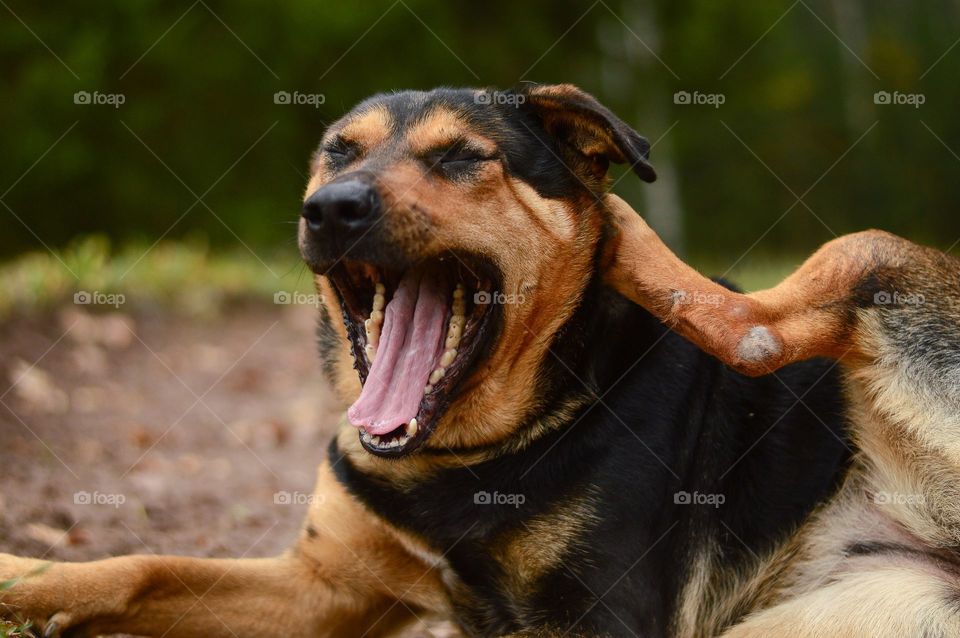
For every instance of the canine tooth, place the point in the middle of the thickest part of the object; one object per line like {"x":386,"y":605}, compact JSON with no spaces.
{"x":370,"y":351}
{"x":448,"y":358}
{"x":380,"y":289}
{"x":412,"y":427}
{"x":379,"y":301}
{"x":437,"y":375}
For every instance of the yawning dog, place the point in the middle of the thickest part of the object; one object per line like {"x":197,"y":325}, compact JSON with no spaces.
{"x":554,"y":427}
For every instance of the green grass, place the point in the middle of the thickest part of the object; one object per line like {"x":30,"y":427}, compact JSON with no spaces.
{"x":10,"y":629}
{"x":184,"y":275}
{"x":13,"y":630}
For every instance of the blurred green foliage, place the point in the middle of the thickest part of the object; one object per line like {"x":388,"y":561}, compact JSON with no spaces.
{"x":185,"y":275}
{"x":199,"y":120}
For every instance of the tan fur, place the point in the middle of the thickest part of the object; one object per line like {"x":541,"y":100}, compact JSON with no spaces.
{"x":440,"y":128}
{"x":351,"y":573}
{"x":543,"y":544}
{"x":369,"y":129}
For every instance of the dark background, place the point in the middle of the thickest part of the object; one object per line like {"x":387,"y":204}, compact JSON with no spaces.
{"x":149,"y":347}
{"x":198,"y":81}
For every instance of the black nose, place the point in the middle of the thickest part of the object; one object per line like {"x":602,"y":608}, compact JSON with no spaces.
{"x":349,"y":207}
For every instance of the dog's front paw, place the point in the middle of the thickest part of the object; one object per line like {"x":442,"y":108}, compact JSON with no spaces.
{"x":27,"y":594}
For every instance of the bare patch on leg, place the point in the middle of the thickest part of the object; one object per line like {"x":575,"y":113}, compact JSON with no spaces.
{"x":758,"y":345}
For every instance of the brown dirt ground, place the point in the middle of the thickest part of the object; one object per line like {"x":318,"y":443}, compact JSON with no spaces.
{"x":195,"y":424}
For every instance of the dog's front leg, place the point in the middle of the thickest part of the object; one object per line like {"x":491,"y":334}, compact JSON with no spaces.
{"x":347,"y":576}
{"x":178,"y":596}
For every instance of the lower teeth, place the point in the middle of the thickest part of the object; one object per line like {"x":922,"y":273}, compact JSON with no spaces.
{"x":409,"y":431}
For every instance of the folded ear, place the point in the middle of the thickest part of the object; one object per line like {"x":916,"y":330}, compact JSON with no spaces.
{"x":589,"y":134}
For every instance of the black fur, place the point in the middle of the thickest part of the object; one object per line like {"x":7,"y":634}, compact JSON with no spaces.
{"x":662,"y":419}
{"x":677,"y":421}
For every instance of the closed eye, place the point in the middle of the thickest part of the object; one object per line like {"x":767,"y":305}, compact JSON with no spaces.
{"x":340,"y":151}
{"x":466,"y":154}
{"x":458,"y":157}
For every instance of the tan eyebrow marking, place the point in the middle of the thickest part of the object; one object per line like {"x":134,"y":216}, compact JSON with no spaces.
{"x":442,"y":127}
{"x":369,"y":128}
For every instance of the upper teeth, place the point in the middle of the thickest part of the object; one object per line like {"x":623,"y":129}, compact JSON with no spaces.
{"x":374,"y":324}
{"x":373,"y":327}
{"x":458,"y":319}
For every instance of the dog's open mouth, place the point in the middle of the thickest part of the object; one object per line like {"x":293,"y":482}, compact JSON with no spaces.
{"x":415,"y":336}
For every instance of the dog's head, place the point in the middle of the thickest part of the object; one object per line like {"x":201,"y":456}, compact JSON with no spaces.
{"x":455,"y":231}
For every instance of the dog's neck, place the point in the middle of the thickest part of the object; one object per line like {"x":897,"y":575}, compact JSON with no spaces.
{"x":606,"y":337}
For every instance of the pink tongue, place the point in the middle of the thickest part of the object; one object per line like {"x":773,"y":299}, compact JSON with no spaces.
{"x":410,"y":347}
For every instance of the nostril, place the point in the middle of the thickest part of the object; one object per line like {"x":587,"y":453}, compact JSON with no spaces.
{"x":354,"y":209}
{"x":312,"y":213}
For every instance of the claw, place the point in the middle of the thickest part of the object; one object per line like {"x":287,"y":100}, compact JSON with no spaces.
{"x":52,"y":630}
